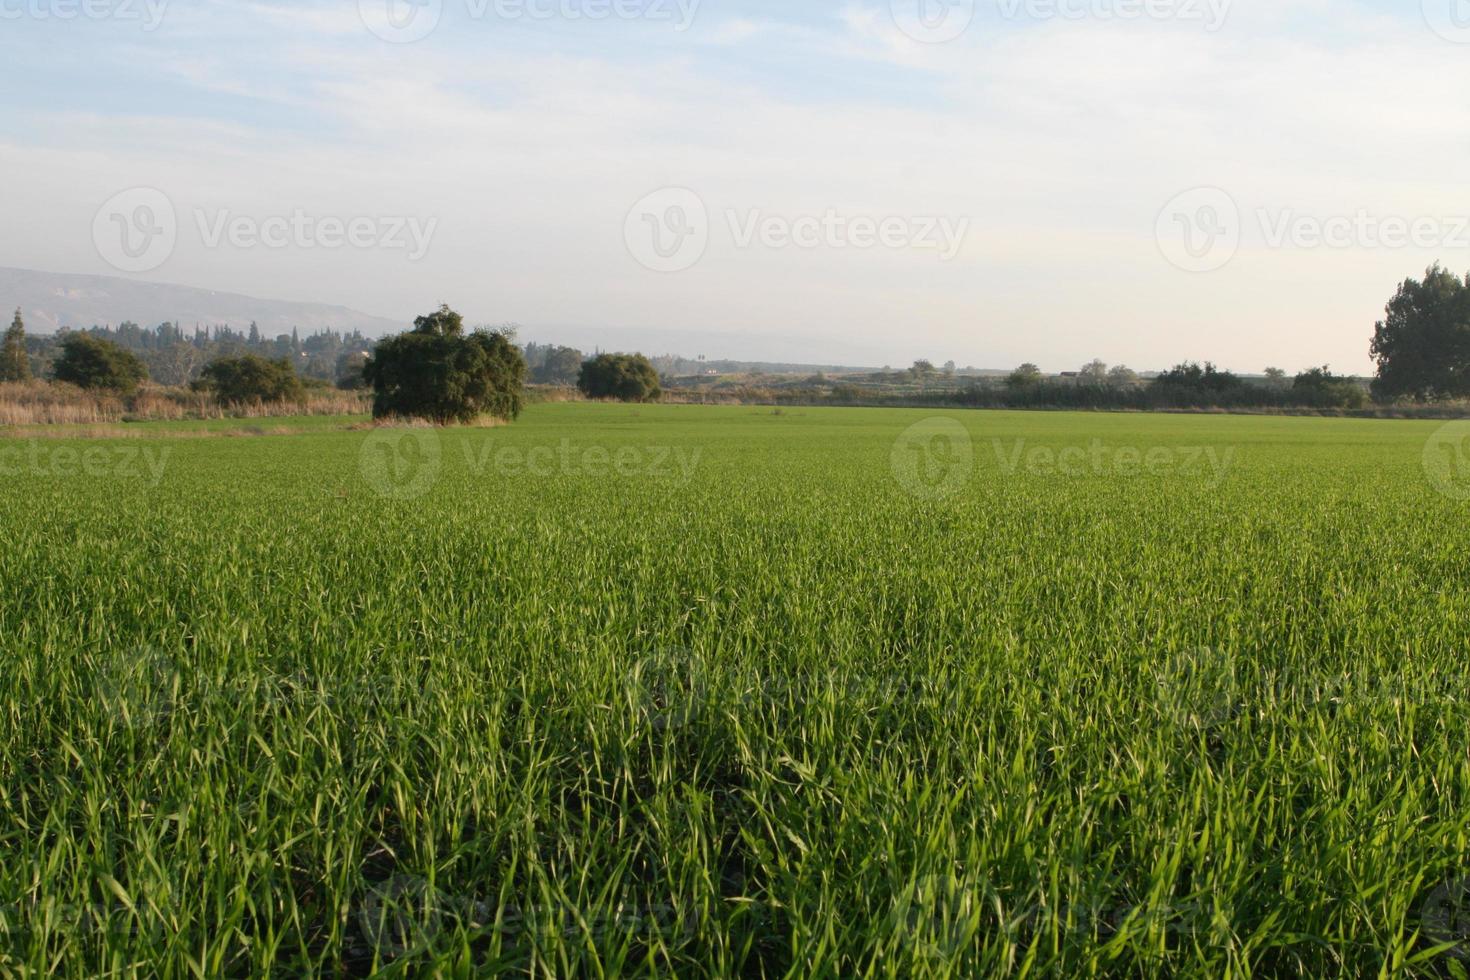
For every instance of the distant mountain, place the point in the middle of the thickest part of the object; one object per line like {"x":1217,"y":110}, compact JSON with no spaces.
{"x":50,"y":301}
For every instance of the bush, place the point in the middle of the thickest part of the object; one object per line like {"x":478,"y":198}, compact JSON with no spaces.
{"x":97,"y":364}
{"x":239,"y":380}
{"x":436,"y":373}
{"x":1320,"y":388}
{"x":349,"y":370}
{"x":1026,"y":376}
{"x":626,"y":377}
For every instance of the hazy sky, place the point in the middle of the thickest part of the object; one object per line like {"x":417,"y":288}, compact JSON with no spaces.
{"x":866,"y":181}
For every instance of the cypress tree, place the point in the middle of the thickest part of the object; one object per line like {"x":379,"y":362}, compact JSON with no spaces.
{"x":14,"y":364}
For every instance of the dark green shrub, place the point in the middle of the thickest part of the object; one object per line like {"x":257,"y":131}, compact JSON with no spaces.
{"x":626,"y":377}
{"x":91,"y":362}
{"x":435,"y":372}
{"x":238,"y":380}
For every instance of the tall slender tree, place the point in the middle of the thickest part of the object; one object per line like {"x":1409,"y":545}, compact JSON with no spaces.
{"x":14,"y":364}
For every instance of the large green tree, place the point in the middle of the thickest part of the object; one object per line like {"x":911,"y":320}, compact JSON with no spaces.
{"x":626,"y":377}
{"x":1423,"y":346}
{"x":15,"y":365}
{"x":435,"y":372}
{"x":91,"y":362}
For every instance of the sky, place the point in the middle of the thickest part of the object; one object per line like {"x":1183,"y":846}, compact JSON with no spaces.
{"x":857,"y":181}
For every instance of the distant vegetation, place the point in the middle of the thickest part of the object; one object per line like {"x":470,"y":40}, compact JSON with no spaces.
{"x":625,"y":377}
{"x":14,"y":364}
{"x":435,"y":372}
{"x":245,"y":379}
{"x":93,"y":363}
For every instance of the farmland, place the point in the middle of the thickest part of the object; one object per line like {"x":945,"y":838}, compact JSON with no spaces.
{"x":733,"y":691}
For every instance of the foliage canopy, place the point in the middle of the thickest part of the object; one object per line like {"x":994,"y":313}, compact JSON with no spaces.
{"x":435,"y":372}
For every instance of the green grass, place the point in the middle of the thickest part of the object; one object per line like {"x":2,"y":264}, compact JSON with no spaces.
{"x":806,"y":712}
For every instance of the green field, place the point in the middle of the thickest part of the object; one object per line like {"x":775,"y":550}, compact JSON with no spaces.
{"x":729,"y":691}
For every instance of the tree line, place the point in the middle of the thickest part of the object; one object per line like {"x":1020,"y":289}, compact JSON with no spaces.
{"x":435,"y":371}
{"x":438,"y":372}
{"x":177,"y":357}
